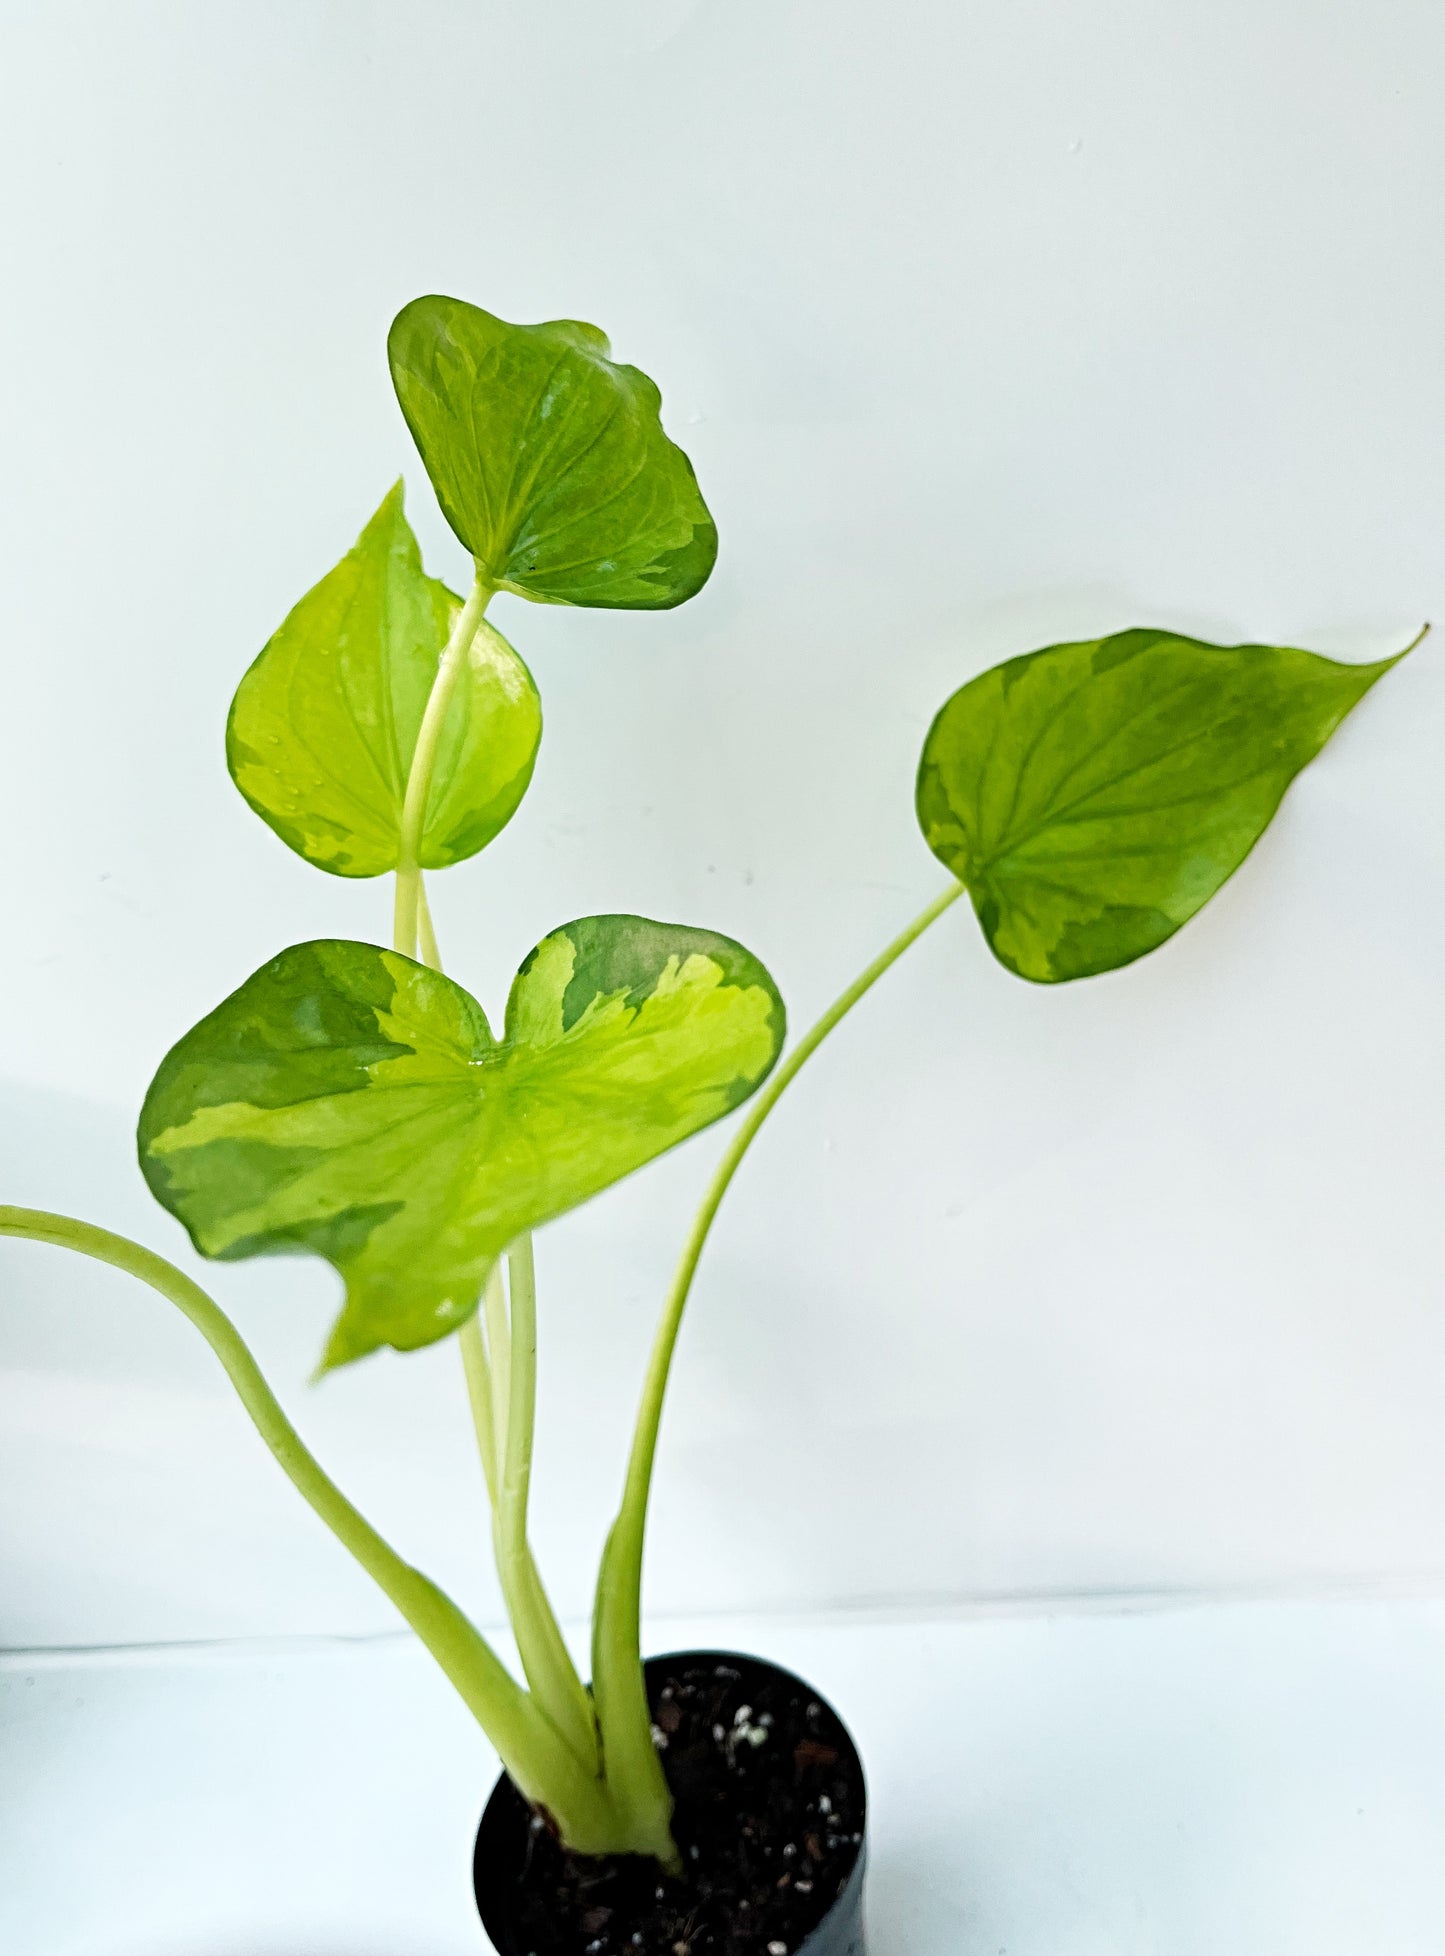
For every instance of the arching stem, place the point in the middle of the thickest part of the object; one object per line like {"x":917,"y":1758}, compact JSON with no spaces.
{"x":631,"y":1758}
{"x":533,"y":1752}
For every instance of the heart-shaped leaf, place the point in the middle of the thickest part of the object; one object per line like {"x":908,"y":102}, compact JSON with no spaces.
{"x":1093,"y":796}
{"x":549,"y":460}
{"x":348,"y":1101}
{"x":324,"y":724}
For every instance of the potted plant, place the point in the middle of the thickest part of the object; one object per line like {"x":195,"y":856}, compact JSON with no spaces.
{"x":352,"y":1101}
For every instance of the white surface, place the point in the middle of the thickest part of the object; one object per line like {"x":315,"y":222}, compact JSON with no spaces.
{"x":985,"y":324}
{"x":1267,"y":1780}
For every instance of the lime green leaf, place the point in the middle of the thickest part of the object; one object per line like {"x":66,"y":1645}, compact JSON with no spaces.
{"x":350,"y":1102}
{"x":549,"y":460}
{"x":324,"y":724}
{"x":1093,"y":796}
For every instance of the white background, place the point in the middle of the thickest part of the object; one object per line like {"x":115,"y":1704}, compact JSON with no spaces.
{"x":985,"y":325}
{"x":1265,"y":1779}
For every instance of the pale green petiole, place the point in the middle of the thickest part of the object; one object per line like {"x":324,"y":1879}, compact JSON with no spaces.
{"x":426,"y":930}
{"x":540,"y":1762}
{"x":500,"y":1372}
{"x":632,"y":1763}
{"x":550,"y":1670}
{"x":506,"y":1453}
{"x":479,"y":1396}
{"x":410,"y":899}
{"x":504,"y":1365}
{"x":497,"y":1321}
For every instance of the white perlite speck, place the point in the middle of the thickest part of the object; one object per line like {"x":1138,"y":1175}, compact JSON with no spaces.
{"x":777,"y":1949}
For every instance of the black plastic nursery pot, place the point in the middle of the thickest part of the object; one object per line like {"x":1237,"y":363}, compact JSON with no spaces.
{"x":770,"y":1821}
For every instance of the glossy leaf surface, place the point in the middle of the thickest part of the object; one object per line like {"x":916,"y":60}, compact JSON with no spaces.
{"x":351,"y":1102}
{"x":324,"y":724}
{"x":549,"y":459}
{"x":1093,"y":796}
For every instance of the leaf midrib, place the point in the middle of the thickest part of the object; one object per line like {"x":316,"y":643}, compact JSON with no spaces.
{"x":1058,"y":817}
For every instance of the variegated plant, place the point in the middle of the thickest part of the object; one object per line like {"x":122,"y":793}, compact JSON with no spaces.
{"x":351,"y":1101}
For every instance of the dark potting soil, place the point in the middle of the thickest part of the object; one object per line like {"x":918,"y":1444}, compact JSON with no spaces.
{"x":769,"y":1822}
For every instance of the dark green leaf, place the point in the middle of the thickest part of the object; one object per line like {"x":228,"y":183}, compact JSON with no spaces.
{"x":348,"y":1101}
{"x":1094,"y":796}
{"x":549,"y":460}
{"x":324,"y":724}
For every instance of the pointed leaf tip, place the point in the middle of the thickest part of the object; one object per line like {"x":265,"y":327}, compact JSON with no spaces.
{"x":1093,"y":796}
